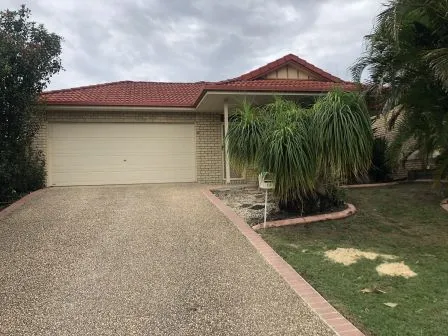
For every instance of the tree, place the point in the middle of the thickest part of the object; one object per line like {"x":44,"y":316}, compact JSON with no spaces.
{"x":407,"y":56}
{"x":309,"y":152}
{"x":29,"y":56}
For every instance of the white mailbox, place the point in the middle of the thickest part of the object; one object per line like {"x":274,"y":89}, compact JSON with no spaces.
{"x":265,"y":181}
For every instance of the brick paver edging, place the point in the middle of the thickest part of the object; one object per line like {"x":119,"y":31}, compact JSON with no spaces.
{"x":6,"y":211}
{"x":308,"y":219}
{"x":309,"y":295}
{"x":370,"y":185}
{"x":444,"y":204}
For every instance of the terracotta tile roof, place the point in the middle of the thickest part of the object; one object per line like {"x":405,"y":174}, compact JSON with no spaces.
{"x":156,"y":94}
{"x":128,"y":93}
{"x":282,"y":85}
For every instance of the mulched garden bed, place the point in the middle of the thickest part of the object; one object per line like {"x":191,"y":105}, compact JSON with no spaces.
{"x":248,"y":203}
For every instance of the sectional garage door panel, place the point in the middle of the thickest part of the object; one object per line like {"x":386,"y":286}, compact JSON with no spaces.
{"x":121,"y":153}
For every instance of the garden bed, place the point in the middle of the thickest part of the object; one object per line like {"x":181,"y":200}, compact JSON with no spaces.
{"x":248,"y":203}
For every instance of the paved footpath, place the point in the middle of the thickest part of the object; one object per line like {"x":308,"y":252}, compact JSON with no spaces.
{"x":138,"y":260}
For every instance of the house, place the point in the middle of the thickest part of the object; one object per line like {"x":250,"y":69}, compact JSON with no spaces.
{"x":148,"y":132}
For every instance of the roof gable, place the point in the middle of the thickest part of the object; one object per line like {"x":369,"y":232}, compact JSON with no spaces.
{"x":290,"y":60}
{"x":291,"y":71}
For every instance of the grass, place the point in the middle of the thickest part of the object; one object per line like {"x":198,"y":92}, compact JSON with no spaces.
{"x":404,"y":220}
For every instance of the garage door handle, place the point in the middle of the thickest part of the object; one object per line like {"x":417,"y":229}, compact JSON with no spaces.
{"x":124,"y":160}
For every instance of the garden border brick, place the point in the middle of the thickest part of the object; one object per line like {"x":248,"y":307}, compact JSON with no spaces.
{"x":369,"y":185}
{"x":444,"y":204}
{"x":351,"y":210}
{"x":338,"y":323}
{"x":17,"y":204}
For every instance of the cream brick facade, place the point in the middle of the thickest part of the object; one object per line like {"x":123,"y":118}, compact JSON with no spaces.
{"x":209,"y":149}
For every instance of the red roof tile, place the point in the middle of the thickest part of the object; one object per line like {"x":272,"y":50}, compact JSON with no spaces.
{"x":155,"y":94}
{"x":128,"y":93}
{"x":282,"y":85}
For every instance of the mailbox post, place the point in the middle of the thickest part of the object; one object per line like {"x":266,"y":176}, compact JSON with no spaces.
{"x":265,"y":182}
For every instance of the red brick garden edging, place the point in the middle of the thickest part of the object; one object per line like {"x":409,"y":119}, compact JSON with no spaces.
{"x":6,"y":211}
{"x":303,"y":289}
{"x":370,"y":185}
{"x":309,"y":219}
{"x":444,"y":204}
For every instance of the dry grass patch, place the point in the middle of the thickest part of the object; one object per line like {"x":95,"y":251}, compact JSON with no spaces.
{"x":395,"y":269}
{"x":349,"y":256}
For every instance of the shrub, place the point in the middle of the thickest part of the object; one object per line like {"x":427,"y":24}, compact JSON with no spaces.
{"x":29,"y":56}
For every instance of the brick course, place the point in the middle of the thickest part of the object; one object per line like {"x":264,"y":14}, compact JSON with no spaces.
{"x":209,"y":159}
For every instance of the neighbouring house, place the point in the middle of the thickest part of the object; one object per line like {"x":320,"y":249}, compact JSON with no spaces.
{"x":149,"y":132}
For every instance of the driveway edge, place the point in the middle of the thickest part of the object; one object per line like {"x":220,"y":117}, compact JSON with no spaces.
{"x":17,"y":204}
{"x":338,"y":323}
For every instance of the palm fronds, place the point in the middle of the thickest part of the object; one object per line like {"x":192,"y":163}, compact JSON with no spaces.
{"x":246,"y":131}
{"x":307,"y":151}
{"x":287,"y":151}
{"x":343,"y":134}
{"x":407,"y":57}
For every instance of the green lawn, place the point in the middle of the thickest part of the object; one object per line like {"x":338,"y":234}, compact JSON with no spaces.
{"x":404,"y":220}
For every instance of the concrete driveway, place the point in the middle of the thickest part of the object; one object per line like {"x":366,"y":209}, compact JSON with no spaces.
{"x":138,"y":260}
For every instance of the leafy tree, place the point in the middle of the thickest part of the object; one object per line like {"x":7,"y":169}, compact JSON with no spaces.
{"x":29,"y":56}
{"x":407,"y":56}
{"x":309,"y":152}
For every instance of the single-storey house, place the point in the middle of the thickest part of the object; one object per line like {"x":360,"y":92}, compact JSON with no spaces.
{"x":150,"y":132}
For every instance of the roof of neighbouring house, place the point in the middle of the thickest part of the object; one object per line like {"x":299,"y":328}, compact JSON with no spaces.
{"x":159,"y":94}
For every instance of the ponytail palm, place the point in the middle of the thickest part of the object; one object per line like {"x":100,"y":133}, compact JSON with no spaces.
{"x":343,"y":135}
{"x":307,"y":151}
{"x":245,"y":135}
{"x":287,"y":151}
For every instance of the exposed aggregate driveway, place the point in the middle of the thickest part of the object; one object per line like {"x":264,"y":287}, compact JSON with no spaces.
{"x":138,"y":260}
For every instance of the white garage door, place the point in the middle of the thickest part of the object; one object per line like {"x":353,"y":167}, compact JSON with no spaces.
{"x":120,"y":153}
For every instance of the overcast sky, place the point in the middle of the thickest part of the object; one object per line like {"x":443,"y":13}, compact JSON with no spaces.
{"x":194,"y":40}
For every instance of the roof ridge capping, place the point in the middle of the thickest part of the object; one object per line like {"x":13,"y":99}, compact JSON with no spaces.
{"x":289,"y":58}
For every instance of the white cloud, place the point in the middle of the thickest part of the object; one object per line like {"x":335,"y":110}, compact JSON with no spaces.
{"x":193,"y":40}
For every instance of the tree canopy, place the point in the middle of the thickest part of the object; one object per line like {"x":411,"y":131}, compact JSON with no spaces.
{"x":407,"y":57}
{"x":29,"y":56}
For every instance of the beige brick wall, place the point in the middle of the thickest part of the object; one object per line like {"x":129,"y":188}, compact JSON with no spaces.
{"x":209,"y":148}
{"x":209,"y":163}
